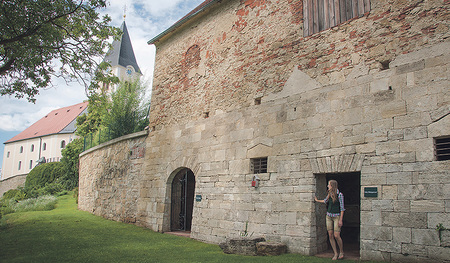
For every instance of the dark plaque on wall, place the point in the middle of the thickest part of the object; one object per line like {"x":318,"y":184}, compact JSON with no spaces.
{"x":370,"y":191}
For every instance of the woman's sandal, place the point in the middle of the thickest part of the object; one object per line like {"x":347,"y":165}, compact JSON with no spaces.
{"x":341,"y":256}
{"x":335,"y":257}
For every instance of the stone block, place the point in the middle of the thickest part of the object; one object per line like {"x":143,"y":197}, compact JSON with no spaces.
{"x":441,"y":127}
{"x":241,"y":246}
{"x":415,"y":250}
{"x":413,"y":220}
{"x":408,"y":157}
{"x":372,"y":218}
{"x":388,"y":148}
{"x":389,"y":191}
{"x":438,"y":218}
{"x":402,"y":206}
{"x":444,"y":237}
{"x":428,"y":237}
{"x":377,"y":85}
{"x":389,"y":168}
{"x":382,"y":205}
{"x":411,"y":67}
{"x":402,"y":234}
{"x":375,"y":255}
{"x":440,"y":254}
{"x":399,"y":178}
{"x":377,"y":233}
{"x":392,"y":247}
{"x":270,"y":248}
{"x":427,"y":206}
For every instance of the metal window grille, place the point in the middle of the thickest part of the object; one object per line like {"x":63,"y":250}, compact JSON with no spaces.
{"x":259,"y":165}
{"x":442,"y":148}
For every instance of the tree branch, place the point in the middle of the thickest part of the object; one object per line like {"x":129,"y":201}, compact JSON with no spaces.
{"x":32,"y":31}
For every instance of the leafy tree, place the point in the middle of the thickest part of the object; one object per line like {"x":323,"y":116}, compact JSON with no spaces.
{"x":90,"y":122}
{"x":33,"y":34}
{"x":127,"y":110}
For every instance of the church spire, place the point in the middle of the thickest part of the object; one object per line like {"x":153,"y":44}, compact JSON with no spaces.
{"x":121,"y":52}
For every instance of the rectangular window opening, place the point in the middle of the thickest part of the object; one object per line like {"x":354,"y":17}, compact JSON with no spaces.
{"x":258,"y":165}
{"x":319,"y":15}
{"x":442,"y":148}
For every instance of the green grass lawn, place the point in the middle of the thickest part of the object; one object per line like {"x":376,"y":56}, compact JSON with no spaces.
{"x":68,"y":235}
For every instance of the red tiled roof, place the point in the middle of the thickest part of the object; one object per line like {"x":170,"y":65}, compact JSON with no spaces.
{"x":52,"y":123}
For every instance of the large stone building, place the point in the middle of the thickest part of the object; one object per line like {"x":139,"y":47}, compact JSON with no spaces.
{"x":290,"y":94}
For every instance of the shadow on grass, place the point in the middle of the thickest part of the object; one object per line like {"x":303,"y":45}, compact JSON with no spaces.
{"x":66,"y":234}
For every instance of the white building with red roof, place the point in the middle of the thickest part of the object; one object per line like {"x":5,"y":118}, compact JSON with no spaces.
{"x":47,"y":137}
{"x":43,"y":140}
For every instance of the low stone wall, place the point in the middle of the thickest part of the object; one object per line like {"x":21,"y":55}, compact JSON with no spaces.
{"x":12,"y":183}
{"x":109,"y":177}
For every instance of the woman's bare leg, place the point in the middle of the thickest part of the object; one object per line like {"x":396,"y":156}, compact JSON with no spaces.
{"x":337,"y":237}
{"x":331,"y":236}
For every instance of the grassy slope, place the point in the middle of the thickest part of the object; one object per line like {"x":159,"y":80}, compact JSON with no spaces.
{"x":68,"y":235}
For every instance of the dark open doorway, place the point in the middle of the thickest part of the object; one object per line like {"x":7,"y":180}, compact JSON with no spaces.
{"x":182,"y":201}
{"x":350,"y":186}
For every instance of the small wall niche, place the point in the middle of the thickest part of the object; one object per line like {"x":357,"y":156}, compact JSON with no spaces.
{"x":384,"y":64}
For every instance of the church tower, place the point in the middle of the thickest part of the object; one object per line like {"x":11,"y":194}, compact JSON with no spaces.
{"x":122,"y":59}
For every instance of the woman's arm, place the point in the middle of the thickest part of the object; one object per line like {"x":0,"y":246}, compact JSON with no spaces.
{"x":319,"y":201}
{"x":341,"y":202}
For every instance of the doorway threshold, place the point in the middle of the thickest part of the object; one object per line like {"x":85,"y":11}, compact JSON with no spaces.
{"x":351,"y":252}
{"x":180,"y":233}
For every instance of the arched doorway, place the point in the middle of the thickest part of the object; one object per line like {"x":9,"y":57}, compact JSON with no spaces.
{"x":182,"y":201}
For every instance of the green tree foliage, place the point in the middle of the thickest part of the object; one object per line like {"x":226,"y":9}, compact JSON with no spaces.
{"x":33,"y":34}
{"x":70,"y":163}
{"x":92,"y":121}
{"x":127,"y":110}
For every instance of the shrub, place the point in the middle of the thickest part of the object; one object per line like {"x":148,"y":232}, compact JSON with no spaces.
{"x":42,"y":203}
{"x":16,"y":194}
{"x":75,"y":194}
{"x":51,"y":189}
{"x":43,"y":174}
{"x":3,"y":223}
{"x":6,"y":206}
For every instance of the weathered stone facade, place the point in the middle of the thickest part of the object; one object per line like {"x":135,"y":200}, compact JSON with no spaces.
{"x":362,"y":100}
{"x":112,"y":175}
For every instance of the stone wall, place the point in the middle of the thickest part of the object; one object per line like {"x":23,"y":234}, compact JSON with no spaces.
{"x":240,"y":81}
{"x":110,"y":177}
{"x":241,"y":50}
{"x":12,"y":183}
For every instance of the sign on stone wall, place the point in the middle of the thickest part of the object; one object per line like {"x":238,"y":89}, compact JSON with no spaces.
{"x":370,"y":192}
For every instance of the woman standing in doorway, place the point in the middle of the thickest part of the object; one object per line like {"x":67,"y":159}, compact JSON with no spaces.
{"x":335,"y":215}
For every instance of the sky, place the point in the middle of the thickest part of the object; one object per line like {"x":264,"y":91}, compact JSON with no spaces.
{"x":145,"y":19}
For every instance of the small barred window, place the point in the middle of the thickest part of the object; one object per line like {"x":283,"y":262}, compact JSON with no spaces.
{"x":258,"y":165}
{"x":442,"y":148}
